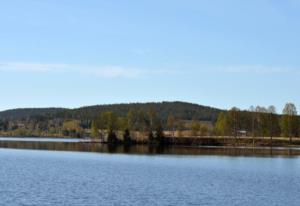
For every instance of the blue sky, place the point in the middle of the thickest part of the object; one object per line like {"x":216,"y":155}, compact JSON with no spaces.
{"x":71,"y":53}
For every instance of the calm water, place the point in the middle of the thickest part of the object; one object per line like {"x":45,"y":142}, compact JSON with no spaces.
{"x":38,"y":139}
{"x":46,"y":177}
{"x":83,"y":145}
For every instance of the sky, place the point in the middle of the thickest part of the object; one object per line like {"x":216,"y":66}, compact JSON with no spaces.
{"x":72,"y":53}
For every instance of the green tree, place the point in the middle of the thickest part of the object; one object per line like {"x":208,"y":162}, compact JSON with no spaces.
{"x":143,"y":122}
{"x":222,"y":126}
{"x":159,"y":134}
{"x":132,"y":119}
{"x":108,"y":121}
{"x":112,"y":138}
{"x":126,"y":137}
{"x":196,"y":127}
{"x":95,"y":129}
{"x":204,"y":130}
{"x":72,"y":128}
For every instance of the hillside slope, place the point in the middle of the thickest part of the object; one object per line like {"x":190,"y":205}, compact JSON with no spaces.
{"x":181,"y":110}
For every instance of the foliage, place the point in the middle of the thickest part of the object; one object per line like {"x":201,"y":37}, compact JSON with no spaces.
{"x":222,"y":125}
{"x":257,"y":122}
{"x":195,"y":127}
{"x":149,"y":119}
{"x":126,"y":136}
{"x":112,"y":137}
{"x":159,"y":135}
{"x":289,"y":122}
{"x":182,"y":110}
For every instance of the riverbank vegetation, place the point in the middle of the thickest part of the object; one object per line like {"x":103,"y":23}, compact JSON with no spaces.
{"x":154,"y":123}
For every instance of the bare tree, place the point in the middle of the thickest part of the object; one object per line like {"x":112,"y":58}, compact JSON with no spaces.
{"x":289,"y":120}
{"x":171,"y":124}
{"x":272,"y":113}
{"x":253,"y":115}
{"x":234,"y":121}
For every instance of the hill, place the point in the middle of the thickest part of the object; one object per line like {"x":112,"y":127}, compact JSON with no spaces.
{"x":182,"y":110}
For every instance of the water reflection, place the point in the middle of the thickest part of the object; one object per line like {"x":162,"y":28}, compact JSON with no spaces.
{"x":146,"y":149}
{"x":40,"y":139}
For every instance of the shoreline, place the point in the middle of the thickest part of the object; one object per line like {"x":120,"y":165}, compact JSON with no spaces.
{"x":189,"y":142}
{"x":153,"y":149}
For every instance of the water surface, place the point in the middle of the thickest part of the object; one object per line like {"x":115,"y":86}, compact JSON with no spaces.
{"x":84,"y":145}
{"x":39,"y":139}
{"x":34,"y":177}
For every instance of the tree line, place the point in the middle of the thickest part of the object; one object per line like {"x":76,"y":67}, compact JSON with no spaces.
{"x":150,"y":124}
{"x":109,"y":127}
{"x":259,"y":122}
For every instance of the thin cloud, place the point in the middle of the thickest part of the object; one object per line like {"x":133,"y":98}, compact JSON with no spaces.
{"x":125,"y":72}
{"x":110,"y":71}
{"x":256,"y":69}
{"x":115,"y":71}
{"x":30,"y":67}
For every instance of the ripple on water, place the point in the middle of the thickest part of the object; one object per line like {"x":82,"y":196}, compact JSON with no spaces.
{"x":68,"y":178}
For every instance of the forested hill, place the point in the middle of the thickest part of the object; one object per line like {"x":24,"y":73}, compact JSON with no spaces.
{"x":182,"y":110}
{"x":24,"y":113}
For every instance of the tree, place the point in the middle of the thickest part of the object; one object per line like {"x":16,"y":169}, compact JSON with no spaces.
{"x":272,"y":109}
{"x":123,"y":125}
{"x":290,"y":109}
{"x":272,"y":119}
{"x":204,"y":129}
{"x":132,"y":119}
{"x":262,"y":121}
{"x":108,"y":121}
{"x":150,"y":137}
{"x":222,"y":125}
{"x":289,"y":121}
{"x":159,"y":134}
{"x":233,"y":119}
{"x":171,"y":124}
{"x":142,"y":121}
{"x":253,"y":120}
{"x":72,"y":128}
{"x":152,"y":117}
{"x":112,"y":138}
{"x":126,"y":136}
{"x":4,"y":125}
{"x":132,"y":122}
{"x":95,"y":129}
{"x":195,"y":126}
{"x":180,"y":127}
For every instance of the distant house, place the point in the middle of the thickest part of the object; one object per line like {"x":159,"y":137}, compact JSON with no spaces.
{"x":242,"y":133}
{"x":87,"y":132}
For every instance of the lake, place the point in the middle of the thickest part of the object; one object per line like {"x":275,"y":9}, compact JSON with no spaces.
{"x":34,"y":174}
